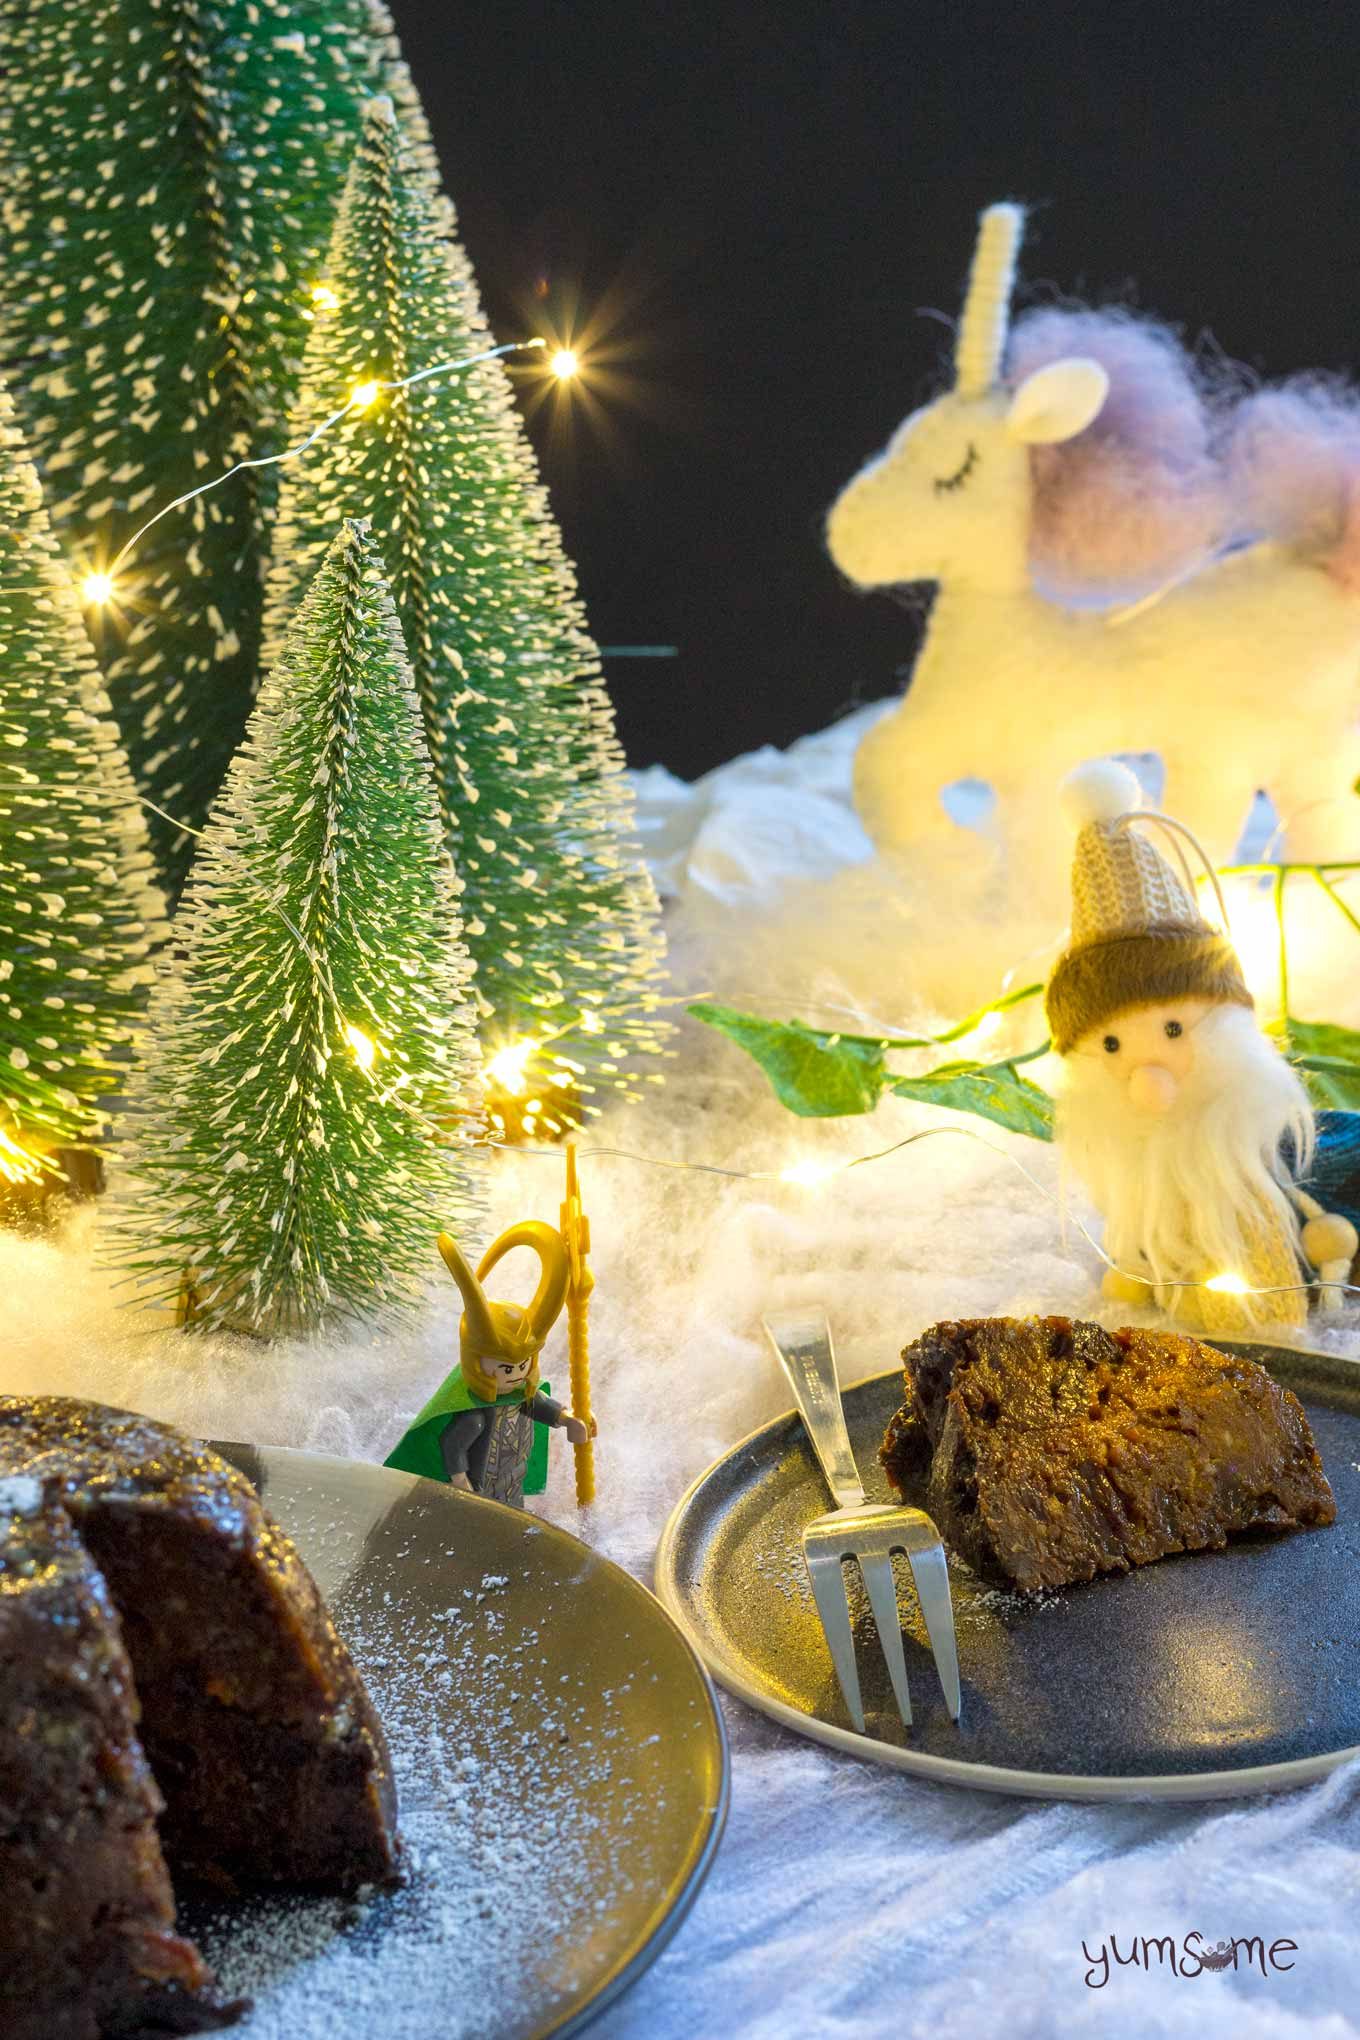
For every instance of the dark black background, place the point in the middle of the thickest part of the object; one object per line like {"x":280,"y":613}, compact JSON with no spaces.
{"x":765,"y":196}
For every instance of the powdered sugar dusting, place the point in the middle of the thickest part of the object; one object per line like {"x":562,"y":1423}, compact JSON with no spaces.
{"x":503,"y":1914}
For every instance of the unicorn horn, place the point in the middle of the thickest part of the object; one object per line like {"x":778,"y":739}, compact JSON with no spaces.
{"x":986,"y":309}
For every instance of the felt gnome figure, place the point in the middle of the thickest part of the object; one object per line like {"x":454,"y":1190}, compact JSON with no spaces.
{"x":1183,"y":1120}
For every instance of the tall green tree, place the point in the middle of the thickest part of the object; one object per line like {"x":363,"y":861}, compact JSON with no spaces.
{"x":78,"y":903}
{"x":169,"y":171}
{"x":313,"y":1051}
{"x":561,"y":915}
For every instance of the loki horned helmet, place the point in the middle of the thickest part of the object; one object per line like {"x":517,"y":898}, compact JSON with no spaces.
{"x":489,"y":1332}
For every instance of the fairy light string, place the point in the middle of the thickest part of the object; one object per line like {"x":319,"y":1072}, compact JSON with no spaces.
{"x":99,"y":587}
{"x":806,"y":1174}
{"x":810,"y":1174}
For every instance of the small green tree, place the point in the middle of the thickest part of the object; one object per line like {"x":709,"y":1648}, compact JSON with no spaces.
{"x":169,"y":171}
{"x":561,"y":915}
{"x":318,"y":1033}
{"x":78,"y":904}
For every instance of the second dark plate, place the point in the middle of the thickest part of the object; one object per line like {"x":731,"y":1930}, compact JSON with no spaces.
{"x":1206,"y":1675}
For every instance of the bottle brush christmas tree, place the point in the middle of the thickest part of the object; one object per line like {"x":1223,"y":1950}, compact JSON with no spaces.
{"x":292,"y":1159}
{"x":561,"y":915}
{"x":169,"y":172}
{"x":78,"y":904}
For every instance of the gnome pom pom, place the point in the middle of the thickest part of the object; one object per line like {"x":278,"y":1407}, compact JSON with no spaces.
{"x":1100,"y":791}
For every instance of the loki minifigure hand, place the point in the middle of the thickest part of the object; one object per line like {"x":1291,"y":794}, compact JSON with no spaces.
{"x":460,"y":1480}
{"x":576,"y":1430}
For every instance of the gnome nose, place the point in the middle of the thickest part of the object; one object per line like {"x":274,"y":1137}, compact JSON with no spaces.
{"x":1151,"y":1088}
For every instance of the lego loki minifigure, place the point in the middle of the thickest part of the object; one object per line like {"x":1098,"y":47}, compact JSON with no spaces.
{"x":486,"y":1429}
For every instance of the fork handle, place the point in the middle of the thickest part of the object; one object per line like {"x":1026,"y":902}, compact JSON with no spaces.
{"x":804,"y":1351}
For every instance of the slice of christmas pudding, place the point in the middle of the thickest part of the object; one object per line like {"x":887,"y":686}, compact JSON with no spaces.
{"x":1049,"y":1451}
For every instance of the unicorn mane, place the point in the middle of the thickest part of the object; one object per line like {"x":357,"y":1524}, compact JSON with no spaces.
{"x":1293,"y":464}
{"x":1185,"y":460}
{"x":1141,"y":494}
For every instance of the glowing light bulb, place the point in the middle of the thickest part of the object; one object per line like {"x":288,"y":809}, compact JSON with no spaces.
{"x":1229,"y":1284}
{"x":17,"y":1165}
{"x":508,"y":1067}
{"x":988,"y":1026}
{"x":362,"y":395}
{"x":807,"y":1175}
{"x":97,"y":588}
{"x":565,"y":364}
{"x":365,"y":1049}
{"x":323,"y":295}
{"x":1255,"y":935}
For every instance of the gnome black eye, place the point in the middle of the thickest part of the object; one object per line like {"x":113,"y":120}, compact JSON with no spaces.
{"x":1111,"y":1044}
{"x":960,"y":475}
{"x":1174,"y":1030}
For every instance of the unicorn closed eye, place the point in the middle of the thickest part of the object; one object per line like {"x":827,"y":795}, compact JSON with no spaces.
{"x":1129,"y":559}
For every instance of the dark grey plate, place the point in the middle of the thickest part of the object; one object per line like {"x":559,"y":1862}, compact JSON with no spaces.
{"x":560,"y":1755}
{"x":1205,"y":1675}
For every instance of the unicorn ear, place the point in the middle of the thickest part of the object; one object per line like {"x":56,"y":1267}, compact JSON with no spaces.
{"x":1057,"y":402}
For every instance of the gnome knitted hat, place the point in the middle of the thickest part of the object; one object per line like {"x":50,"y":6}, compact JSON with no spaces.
{"x":1138,"y":937}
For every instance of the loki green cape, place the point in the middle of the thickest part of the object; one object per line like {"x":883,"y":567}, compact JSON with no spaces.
{"x":418,"y":1451}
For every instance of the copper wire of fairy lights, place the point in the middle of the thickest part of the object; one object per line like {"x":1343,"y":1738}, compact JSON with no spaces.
{"x":99,"y":587}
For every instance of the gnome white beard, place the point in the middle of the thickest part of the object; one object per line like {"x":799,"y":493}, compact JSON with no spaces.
{"x":1183,"y":1193}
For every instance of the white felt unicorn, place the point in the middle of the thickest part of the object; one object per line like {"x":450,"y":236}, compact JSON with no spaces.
{"x":1130,"y":559}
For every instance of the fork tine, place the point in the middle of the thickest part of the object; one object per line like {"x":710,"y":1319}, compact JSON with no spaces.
{"x":931,"y":1574}
{"x":881,"y":1587}
{"x":828,"y":1591}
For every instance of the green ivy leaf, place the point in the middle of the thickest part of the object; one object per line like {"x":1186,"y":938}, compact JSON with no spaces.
{"x":817,"y":1075}
{"x":825,"y":1076}
{"x":1322,"y":1038}
{"x":994,"y":1091}
{"x":1329,"y":1058}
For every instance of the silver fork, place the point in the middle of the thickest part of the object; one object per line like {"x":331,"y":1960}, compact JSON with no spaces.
{"x":867,"y":1531}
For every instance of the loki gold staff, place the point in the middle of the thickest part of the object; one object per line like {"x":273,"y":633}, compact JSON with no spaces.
{"x":580,"y":1283}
